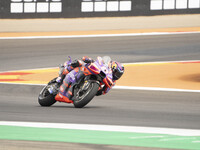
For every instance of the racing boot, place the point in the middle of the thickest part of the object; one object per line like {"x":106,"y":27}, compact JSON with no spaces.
{"x":55,"y":87}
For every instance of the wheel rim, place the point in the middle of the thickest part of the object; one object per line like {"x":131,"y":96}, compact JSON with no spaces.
{"x":44,"y":93}
{"x":83,"y":93}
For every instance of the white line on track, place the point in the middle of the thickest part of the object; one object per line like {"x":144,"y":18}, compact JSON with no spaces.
{"x":154,"y":89}
{"x":128,"y":88}
{"x":114,"y":128}
{"x":124,"y":87}
{"x":162,"y":62}
{"x":135,"y":63}
{"x":97,"y":35}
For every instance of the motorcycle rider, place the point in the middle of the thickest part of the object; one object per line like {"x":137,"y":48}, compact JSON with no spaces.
{"x":73,"y":69}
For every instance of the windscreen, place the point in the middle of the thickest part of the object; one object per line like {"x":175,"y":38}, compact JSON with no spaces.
{"x":106,"y":59}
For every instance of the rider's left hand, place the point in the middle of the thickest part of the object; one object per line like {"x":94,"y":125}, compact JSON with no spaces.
{"x":75,"y":63}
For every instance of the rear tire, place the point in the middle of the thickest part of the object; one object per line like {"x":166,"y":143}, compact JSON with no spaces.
{"x":88,"y":97}
{"x":45,"y":98}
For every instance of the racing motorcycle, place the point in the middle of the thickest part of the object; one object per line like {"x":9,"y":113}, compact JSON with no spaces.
{"x":96,"y":75}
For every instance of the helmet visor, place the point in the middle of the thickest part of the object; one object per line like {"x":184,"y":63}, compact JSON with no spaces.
{"x":118,"y":73}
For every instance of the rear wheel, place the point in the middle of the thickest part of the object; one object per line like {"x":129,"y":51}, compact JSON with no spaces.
{"x":83,"y":96}
{"x":45,"y":98}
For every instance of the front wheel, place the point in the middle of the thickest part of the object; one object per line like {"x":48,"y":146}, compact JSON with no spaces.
{"x":82,"y":98}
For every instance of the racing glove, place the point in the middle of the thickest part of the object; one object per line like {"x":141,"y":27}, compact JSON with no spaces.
{"x":87,"y":59}
{"x":75,"y":63}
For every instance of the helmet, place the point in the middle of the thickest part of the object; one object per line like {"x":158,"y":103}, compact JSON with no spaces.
{"x":117,"y":70}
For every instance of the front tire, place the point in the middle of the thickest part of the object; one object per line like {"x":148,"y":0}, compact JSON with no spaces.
{"x":79,"y":103}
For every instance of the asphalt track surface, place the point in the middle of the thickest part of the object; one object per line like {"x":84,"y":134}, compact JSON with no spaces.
{"x":119,"y":107}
